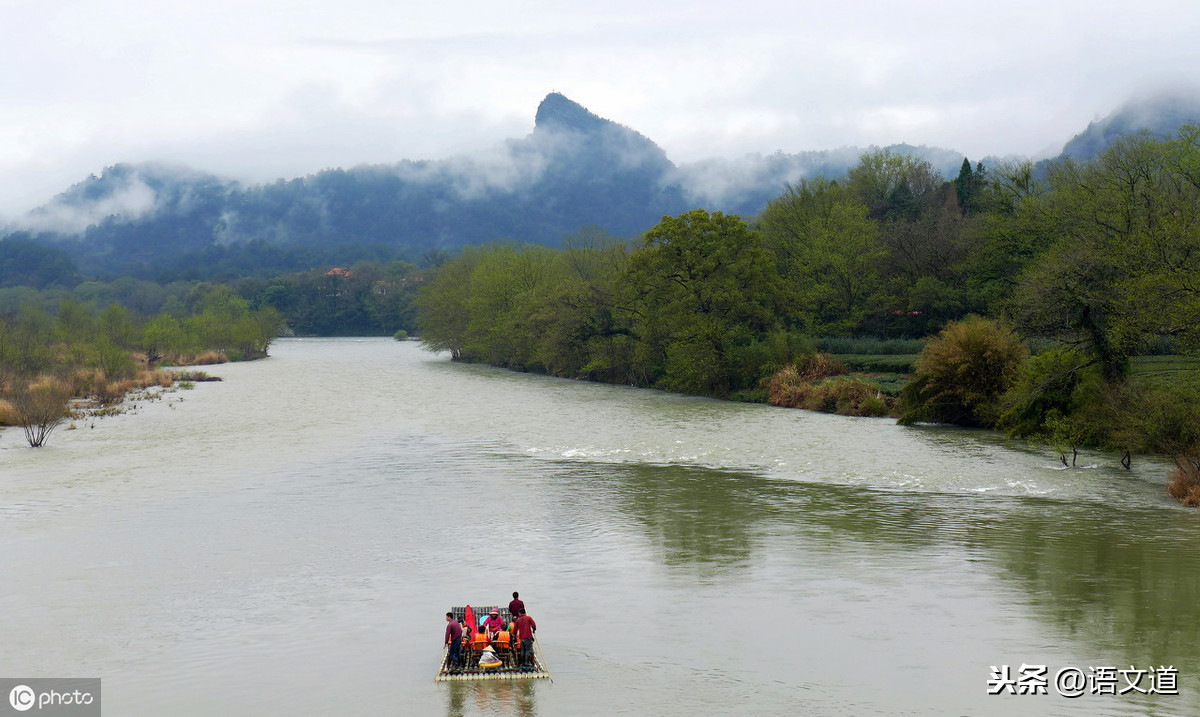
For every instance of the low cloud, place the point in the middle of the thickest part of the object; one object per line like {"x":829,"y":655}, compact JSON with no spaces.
{"x":505,"y":168}
{"x":130,"y":199}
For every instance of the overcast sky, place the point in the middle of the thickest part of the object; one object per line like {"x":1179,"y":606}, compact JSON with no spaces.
{"x":257,"y":89}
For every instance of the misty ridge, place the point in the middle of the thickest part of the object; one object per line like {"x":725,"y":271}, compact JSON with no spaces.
{"x":574,"y":170}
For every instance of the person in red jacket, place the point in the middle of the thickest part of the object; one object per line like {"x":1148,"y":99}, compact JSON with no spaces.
{"x":525,"y":629}
{"x":493,"y":624}
{"x":515,"y":606}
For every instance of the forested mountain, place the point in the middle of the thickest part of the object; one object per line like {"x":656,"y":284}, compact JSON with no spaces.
{"x":1160,"y":115}
{"x":574,"y":170}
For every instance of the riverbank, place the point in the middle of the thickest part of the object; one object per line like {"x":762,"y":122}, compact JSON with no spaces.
{"x":50,"y":400}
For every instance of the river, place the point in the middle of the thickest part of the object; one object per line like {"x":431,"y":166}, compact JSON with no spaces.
{"x":287,"y":541}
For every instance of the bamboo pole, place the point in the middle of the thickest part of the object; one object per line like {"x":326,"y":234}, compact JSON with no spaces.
{"x":537,"y":647}
{"x":438,"y":676}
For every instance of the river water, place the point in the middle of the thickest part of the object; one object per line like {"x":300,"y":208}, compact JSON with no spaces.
{"x":288,"y":541}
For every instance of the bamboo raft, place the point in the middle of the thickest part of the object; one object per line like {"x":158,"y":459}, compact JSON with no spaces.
{"x":507,"y":671}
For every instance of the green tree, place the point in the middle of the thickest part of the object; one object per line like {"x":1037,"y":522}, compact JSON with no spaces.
{"x":443,"y":303}
{"x":115,"y":361}
{"x":829,"y":252}
{"x":894,"y":186}
{"x":970,"y":187}
{"x":705,"y":285}
{"x":26,"y":345}
{"x":75,"y":322}
{"x":1121,"y":267}
{"x":118,"y":324}
{"x":162,"y":336}
{"x":1042,"y":392}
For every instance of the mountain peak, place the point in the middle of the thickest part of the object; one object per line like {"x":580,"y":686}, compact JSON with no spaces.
{"x":558,"y":112}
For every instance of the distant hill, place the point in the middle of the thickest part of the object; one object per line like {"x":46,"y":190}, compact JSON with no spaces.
{"x":574,"y":169}
{"x":1160,"y":115}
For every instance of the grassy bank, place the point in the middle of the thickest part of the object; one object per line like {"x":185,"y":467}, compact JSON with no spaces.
{"x":40,"y":404}
{"x":822,"y":382}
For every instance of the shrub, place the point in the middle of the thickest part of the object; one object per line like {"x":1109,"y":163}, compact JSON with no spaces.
{"x":874,"y":404}
{"x":763,"y":356}
{"x":1185,"y":484}
{"x":818,"y":386}
{"x":40,"y":407}
{"x":116,"y":362}
{"x":849,"y":397}
{"x":86,"y":382}
{"x":112,"y":392}
{"x":962,"y":373}
{"x":1041,"y":390}
{"x":786,"y":388}
{"x":400,"y":335}
{"x":156,"y":378}
{"x":201,"y":359}
{"x":790,"y":386}
{"x":814,"y":367}
{"x":1169,"y":421}
{"x":8,"y":414}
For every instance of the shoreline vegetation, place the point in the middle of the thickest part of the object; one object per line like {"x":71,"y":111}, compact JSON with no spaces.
{"x":82,"y":364}
{"x":1041,"y":302}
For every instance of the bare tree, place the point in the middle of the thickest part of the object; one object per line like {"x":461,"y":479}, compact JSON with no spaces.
{"x":41,"y":406}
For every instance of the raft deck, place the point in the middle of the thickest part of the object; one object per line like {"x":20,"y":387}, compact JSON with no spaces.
{"x":508,"y":671}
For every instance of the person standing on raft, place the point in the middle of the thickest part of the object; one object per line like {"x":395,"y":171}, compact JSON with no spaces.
{"x":453,"y":641}
{"x":525,"y":629}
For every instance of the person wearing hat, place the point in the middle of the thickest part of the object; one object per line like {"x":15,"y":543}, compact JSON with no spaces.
{"x":493,"y":623}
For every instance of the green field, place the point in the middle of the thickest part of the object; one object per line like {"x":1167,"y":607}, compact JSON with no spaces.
{"x":888,"y":372}
{"x":1166,"y":372}
{"x":883,"y":363}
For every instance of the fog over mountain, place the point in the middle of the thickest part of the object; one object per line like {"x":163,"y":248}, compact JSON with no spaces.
{"x":1159,"y":114}
{"x":573,"y":170}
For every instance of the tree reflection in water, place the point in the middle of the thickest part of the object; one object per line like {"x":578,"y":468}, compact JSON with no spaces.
{"x":1123,"y":580}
